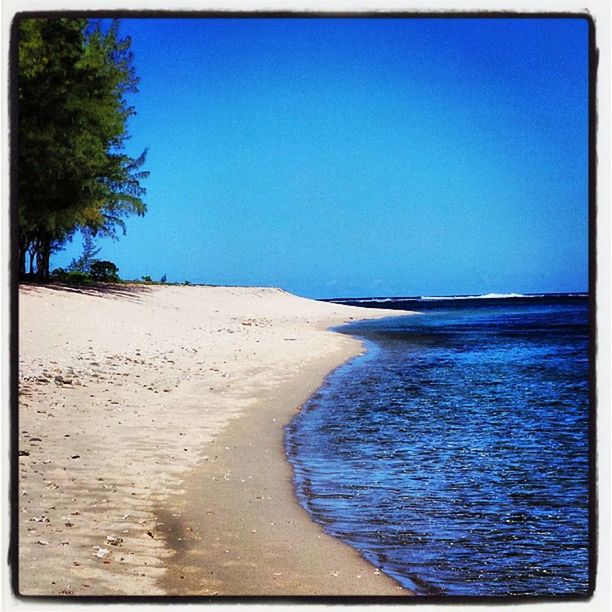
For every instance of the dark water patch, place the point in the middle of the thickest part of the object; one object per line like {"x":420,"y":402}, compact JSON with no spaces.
{"x":454,"y":454}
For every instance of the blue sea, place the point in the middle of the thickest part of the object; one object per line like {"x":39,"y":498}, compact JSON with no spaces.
{"x":454,"y":454}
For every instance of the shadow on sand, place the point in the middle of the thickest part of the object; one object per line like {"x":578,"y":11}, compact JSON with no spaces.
{"x":107,"y":290}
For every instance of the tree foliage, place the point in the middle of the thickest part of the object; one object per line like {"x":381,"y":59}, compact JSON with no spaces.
{"x":88,"y":256}
{"x":104,"y":271}
{"x":73,"y":172}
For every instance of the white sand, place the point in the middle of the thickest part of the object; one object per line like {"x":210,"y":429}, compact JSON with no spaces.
{"x":125,"y":397}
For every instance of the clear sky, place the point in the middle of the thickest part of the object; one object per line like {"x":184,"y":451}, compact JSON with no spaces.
{"x":361,"y":157}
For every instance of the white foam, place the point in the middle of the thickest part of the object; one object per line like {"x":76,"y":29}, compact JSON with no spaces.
{"x":376,"y":300}
{"x":486,"y":296}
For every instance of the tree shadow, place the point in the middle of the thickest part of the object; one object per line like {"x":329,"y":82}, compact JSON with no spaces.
{"x":131,"y":292}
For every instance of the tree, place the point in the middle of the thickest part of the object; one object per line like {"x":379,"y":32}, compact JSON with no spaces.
{"x":104,"y":271}
{"x":83,"y":263}
{"x":73,"y":173}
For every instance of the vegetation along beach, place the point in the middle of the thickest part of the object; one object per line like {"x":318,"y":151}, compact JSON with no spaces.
{"x":302,"y":306}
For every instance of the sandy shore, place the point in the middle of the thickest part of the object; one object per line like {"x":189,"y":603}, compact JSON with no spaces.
{"x":151,"y":443}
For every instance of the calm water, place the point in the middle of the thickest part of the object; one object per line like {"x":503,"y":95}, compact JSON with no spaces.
{"x":454,"y":454}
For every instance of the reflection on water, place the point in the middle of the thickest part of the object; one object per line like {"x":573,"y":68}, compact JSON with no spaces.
{"x":454,"y":454}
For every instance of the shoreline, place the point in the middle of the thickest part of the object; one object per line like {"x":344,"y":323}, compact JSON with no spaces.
{"x":301,"y":559}
{"x":152,"y":441}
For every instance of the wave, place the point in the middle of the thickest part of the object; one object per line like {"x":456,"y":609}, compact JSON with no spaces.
{"x":485,"y":296}
{"x":364,"y":300}
{"x":502,"y":296}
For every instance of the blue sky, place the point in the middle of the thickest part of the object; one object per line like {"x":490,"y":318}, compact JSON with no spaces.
{"x":354,"y":157}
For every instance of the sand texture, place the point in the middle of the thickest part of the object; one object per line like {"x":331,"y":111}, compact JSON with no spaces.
{"x":151,"y":442}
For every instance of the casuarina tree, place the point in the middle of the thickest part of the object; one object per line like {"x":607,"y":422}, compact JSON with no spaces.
{"x":73,"y":171}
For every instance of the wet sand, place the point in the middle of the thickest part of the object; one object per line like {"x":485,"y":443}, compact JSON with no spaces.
{"x":151,"y":441}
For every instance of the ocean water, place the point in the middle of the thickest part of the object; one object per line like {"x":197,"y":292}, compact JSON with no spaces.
{"x":454,"y":454}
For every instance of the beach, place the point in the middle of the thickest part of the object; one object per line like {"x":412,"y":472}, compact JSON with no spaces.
{"x":151,"y":442}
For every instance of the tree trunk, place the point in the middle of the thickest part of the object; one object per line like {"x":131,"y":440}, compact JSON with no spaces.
{"x":39,"y":260}
{"x":43,"y":255}
{"x":23,"y":249}
{"x":33,"y":252}
{"x":46,"y":259}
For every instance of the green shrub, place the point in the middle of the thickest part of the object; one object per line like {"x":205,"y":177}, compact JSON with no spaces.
{"x":79,"y":278}
{"x":104,"y":271}
{"x":147,"y":279}
{"x":72,"y":277}
{"x":59,"y":274}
